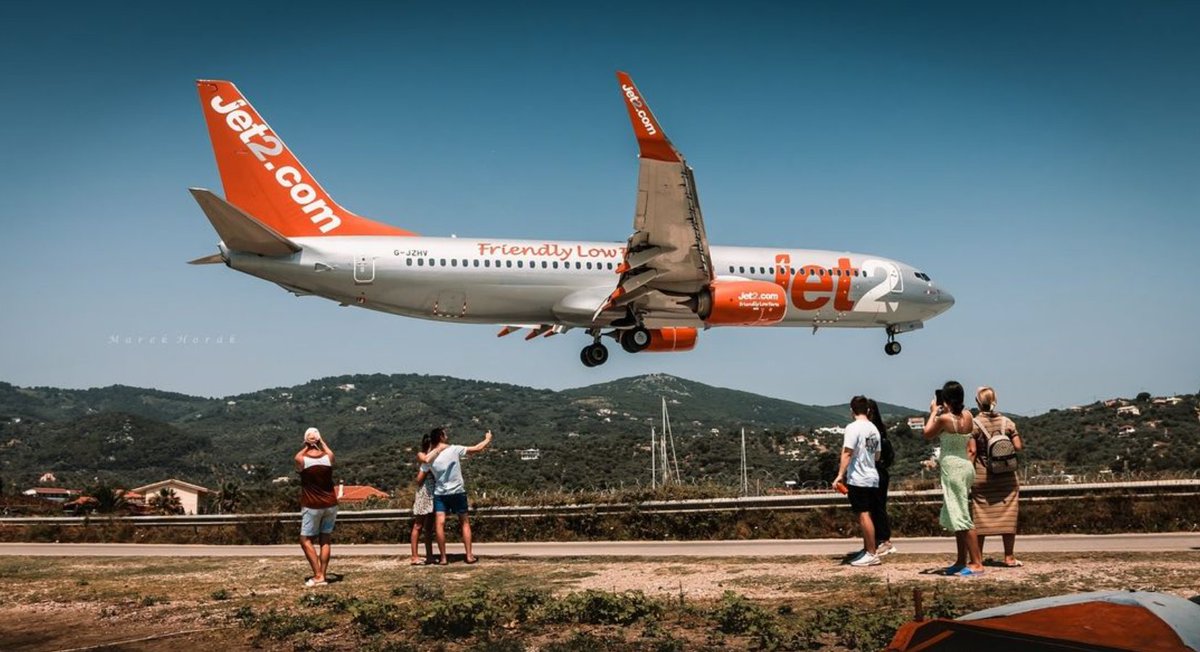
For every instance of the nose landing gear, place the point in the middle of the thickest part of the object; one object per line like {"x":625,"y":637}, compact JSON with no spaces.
{"x":892,"y":347}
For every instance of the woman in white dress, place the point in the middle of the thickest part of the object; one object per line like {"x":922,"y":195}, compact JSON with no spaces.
{"x":423,"y":501}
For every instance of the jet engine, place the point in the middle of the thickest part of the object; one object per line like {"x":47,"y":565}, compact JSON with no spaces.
{"x":742,"y":303}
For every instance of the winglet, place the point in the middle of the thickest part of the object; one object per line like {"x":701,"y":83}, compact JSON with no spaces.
{"x":652,"y":141}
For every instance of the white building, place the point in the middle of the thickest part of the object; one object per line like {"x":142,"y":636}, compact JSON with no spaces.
{"x":189,"y":494}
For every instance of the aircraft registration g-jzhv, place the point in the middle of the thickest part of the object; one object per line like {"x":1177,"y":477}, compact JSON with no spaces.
{"x":652,"y":293}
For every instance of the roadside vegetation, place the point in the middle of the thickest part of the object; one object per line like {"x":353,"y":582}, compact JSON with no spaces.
{"x":577,"y":604}
{"x":1091,"y":515}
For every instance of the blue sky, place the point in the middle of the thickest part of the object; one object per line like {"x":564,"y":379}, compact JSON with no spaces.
{"x":1040,"y":160}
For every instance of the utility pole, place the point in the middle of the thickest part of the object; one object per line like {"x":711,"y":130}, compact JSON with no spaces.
{"x":745,"y":474}
{"x":653,"y":480}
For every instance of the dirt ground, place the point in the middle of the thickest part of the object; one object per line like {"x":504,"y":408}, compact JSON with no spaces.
{"x":201,"y":603}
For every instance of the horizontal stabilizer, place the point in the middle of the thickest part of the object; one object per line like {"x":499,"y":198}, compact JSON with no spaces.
{"x":239,"y":230}
{"x":208,"y":260}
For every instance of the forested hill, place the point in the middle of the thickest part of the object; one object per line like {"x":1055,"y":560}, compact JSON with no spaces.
{"x":590,"y":437}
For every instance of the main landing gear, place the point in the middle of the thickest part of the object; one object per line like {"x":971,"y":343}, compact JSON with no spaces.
{"x":633,"y":340}
{"x":594,"y":354}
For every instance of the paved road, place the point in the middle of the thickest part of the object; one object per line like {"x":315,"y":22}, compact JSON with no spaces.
{"x":1175,"y":542}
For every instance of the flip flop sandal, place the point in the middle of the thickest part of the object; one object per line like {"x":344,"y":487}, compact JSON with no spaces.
{"x":967,"y":572}
{"x":1016,"y":564}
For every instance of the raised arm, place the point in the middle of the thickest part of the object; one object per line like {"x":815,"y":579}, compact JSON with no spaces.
{"x":933,"y":423}
{"x":326,"y":449}
{"x":300,"y":458}
{"x":487,"y":441}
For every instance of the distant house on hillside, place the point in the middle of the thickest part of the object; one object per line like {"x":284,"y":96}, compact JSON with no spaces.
{"x":352,"y":493}
{"x":1168,"y":400}
{"x":189,"y":494}
{"x":48,"y":477}
{"x":1126,"y":430}
{"x":916,"y":424}
{"x":1130,"y":410}
{"x":528,"y":454}
{"x":57,"y":494}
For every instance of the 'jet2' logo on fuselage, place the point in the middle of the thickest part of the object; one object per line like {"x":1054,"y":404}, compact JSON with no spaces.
{"x":287,"y":176}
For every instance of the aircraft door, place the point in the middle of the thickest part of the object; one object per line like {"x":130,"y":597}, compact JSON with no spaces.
{"x":364,"y":270}
{"x":895,"y":279}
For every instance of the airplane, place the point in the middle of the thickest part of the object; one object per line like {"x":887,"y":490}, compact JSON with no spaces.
{"x":652,"y":293}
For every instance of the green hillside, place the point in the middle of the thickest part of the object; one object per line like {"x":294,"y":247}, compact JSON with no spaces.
{"x":588,"y":438}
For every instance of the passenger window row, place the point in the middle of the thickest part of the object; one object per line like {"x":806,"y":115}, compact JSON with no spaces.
{"x":741,"y":269}
{"x":489,"y":263}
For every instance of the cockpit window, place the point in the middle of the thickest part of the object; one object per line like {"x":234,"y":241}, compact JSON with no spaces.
{"x":922,"y":275}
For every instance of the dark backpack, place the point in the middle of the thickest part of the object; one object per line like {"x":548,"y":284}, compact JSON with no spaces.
{"x":1001,"y":453}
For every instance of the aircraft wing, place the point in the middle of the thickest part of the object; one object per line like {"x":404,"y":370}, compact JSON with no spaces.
{"x":667,"y":260}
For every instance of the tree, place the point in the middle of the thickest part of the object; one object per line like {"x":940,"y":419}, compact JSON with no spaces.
{"x":166,"y":502}
{"x":1143,"y":397}
{"x":108,"y":498}
{"x":228,"y":497}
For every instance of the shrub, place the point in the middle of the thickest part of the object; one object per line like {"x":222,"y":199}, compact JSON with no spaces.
{"x":594,"y":607}
{"x":475,"y":612}
{"x":281,"y":624}
{"x":372,"y":617}
{"x":737,"y":615}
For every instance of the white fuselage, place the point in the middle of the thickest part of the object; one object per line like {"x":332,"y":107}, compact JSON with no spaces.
{"x":531,"y":282}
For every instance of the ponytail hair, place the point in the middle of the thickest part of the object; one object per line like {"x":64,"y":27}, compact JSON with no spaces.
{"x":953,"y":394}
{"x":426,"y":442}
{"x":876,"y":418}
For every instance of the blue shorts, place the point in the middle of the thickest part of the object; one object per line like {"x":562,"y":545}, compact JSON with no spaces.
{"x":317,"y":521}
{"x":450,"y":503}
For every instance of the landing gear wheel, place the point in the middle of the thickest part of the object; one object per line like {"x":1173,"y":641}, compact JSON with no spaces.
{"x":892,"y":348}
{"x":635,"y":339}
{"x":594,"y":355}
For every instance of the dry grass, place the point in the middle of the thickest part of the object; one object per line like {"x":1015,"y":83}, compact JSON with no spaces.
{"x":58,"y":603}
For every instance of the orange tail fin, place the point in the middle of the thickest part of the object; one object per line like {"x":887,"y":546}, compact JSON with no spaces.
{"x":263,"y":178}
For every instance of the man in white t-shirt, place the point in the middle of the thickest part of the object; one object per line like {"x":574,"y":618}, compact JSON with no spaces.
{"x":857,"y":473}
{"x":449,"y":489}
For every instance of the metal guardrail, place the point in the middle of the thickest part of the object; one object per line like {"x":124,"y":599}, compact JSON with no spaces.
{"x":791,"y":502}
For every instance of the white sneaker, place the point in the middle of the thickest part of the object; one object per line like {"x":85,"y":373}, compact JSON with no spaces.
{"x":866,"y":559}
{"x":885,"y":548}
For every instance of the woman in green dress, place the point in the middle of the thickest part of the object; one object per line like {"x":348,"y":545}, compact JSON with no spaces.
{"x":952,"y":426}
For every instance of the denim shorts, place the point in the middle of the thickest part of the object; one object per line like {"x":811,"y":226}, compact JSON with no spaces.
{"x":450,"y":503}
{"x":317,"y":521}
